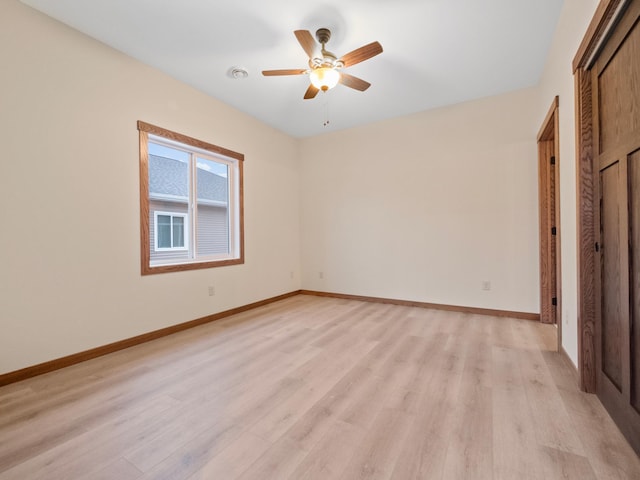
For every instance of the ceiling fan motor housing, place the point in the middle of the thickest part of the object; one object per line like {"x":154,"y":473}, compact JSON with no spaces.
{"x":326,"y":59}
{"x":323,"y":35}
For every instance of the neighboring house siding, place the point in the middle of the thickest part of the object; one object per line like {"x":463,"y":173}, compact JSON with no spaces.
{"x":213,"y":230}
{"x":172,"y":207}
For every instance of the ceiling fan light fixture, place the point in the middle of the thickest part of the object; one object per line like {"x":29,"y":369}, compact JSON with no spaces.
{"x":324,"y":78}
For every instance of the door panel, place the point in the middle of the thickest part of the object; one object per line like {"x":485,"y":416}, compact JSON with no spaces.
{"x":610,"y":271}
{"x":548,"y":250}
{"x":619,"y":92}
{"x":553,"y":253}
{"x":634,"y":273}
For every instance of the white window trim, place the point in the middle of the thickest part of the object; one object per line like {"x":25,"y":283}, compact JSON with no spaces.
{"x":233,"y":206}
{"x":184,"y":216}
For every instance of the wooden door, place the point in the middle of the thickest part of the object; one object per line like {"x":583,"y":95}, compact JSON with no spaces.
{"x":616,"y":119}
{"x":548,"y":207}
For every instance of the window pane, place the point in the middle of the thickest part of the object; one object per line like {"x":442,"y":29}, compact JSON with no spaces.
{"x":213,"y":207}
{"x":168,"y":152}
{"x":178,"y":232}
{"x":168,"y":174}
{"x":169,"y":192}
{"x":164,"y":231}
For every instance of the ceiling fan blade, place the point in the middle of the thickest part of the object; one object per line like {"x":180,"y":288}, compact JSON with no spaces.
{"x":361,"y":54}
{"x":353,"y":82}
{"x":311,"y":92}
{"x":306,"y":41}
{"x":292,"y":71}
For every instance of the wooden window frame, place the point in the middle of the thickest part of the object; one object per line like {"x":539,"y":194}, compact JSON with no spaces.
{"x":146,"y":129}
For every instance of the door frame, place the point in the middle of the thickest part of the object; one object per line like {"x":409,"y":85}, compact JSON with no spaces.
{"x":549,"y":214}
{"x":606,"y":16}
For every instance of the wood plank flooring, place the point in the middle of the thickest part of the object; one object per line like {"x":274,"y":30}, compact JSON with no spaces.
{"x":318,"y":388}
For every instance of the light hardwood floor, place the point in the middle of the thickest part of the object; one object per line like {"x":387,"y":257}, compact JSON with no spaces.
{"x":318,"y":388}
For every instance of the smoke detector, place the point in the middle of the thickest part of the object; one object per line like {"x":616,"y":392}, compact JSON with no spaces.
{"x":238,"y":73}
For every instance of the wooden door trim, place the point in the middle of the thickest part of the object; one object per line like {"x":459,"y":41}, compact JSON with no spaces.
{"x":604,"y":18}
{"x":545,"y":131}
{"x":548,"y":139}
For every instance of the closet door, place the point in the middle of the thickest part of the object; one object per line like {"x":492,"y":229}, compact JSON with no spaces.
{"x":616,"y":107}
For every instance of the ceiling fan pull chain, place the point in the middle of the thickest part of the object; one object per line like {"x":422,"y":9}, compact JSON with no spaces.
{"x":326,"y":112}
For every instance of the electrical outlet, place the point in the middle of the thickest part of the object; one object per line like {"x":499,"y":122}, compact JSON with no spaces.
{"x":291,"y":274}
{"x":320,"y":275}
{"x":486,"y":285}
{"x":212,"y":290}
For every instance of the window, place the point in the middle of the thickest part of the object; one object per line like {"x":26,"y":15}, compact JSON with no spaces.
{"x":191,"y":202}
{"x":170,"y":231}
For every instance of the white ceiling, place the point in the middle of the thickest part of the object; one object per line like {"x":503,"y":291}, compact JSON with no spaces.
{"x":436,"y":52}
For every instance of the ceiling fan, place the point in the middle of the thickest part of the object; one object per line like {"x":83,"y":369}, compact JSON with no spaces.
{"x":324,"y":67}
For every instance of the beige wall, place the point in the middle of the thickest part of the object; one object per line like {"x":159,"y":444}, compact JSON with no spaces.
{"x":426,"y":207}
{"x":557,"y":79}
{"x":69,"y":243}
{"x":423,"y":207}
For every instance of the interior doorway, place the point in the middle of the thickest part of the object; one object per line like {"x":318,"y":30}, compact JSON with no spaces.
{"x":549,"y":209}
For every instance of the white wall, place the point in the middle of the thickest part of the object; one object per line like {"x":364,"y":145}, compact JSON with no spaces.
{"x":69,"y":203}
{"x":426,"y":207}
{"x":558,"y":80}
